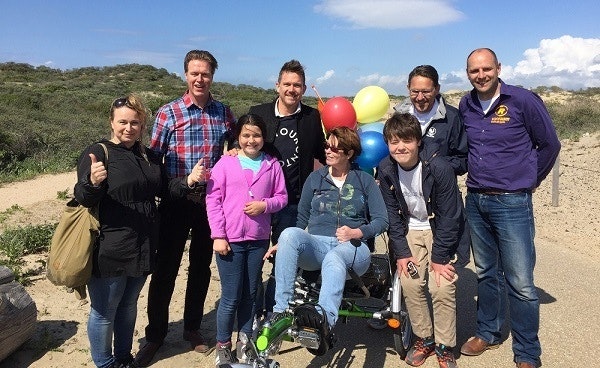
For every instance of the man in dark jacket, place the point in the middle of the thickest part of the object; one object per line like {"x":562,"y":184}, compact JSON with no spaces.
{"x":425,"y":213}
{"x":295,"y":135}
{"x":442,"y":129}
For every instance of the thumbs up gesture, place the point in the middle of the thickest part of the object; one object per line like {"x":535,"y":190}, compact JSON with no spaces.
{"x":97,"y":171}
{"x":198,"y":174}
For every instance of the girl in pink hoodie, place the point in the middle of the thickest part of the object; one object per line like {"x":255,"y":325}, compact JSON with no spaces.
{"x":242,"y":193}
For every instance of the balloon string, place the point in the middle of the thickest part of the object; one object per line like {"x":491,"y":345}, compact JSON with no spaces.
{"x":317,"y":93}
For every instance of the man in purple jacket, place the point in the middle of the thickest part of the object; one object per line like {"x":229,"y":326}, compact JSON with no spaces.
{"x":512,"y":148}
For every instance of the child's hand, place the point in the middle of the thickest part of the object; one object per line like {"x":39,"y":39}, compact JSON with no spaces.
{"x":254,"y":208}
{"x":221,"y":246}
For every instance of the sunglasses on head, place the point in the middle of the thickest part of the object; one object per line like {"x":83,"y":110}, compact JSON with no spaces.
{"x":333,"y":149}
{"x":120,"y":102}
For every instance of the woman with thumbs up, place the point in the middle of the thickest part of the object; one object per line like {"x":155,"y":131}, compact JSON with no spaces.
{"x":124,"y":185}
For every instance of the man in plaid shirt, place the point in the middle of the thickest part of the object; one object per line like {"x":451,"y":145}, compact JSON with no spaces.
{"x":188,"y":131}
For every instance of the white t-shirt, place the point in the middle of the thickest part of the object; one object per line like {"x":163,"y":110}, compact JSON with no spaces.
{"x":411,"y":185}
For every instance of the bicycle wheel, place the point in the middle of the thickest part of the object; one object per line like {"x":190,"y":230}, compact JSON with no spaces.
{"x":402,"y":334}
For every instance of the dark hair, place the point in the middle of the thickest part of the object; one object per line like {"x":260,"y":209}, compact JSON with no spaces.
{"x":425,"y":71}
{"x":483,"y":49}
{"x":252,"y":120}
{"x":293,"y":66}
{"x":347,"y":140}
{"x":403,"y":126}
{"x":200,"y":55}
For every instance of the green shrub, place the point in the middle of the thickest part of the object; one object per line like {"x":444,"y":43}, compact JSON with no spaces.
{"x":21,"y":241}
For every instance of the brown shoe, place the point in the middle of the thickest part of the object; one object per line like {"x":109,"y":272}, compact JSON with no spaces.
{"x":196,"y":340}
{"x":476,"y":346}
{"x":146,"y":354}
{"x":525,"y":365}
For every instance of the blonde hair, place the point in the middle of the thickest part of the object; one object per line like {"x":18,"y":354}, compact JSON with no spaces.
{"x":135,"y":103}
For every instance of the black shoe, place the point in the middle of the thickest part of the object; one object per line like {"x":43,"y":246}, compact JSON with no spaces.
{"x":146,"y":354}
{"x":307,"y":316}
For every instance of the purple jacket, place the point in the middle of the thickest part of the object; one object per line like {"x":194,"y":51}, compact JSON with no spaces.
{"x":228,"y":192}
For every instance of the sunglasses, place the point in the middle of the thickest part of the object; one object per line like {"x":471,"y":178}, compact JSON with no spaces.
{"x":333,"y":149}
{"x":120,"y":102}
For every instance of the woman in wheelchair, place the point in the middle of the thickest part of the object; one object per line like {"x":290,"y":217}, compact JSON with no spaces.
{"x":340,"y":208}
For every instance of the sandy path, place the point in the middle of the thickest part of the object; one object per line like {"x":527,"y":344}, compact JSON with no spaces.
{"x":44,"y":187}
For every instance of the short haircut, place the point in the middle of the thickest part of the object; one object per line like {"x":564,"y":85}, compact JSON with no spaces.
{"x":200,"y":55}
{"x":293,"y":66}
{"x":347,"y":140}
{"x":484,"y":49}
{"x":426,"y":71}
{"x":402,"y":126}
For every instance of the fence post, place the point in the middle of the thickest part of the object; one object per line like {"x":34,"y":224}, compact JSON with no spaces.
{"x":555,"y":177}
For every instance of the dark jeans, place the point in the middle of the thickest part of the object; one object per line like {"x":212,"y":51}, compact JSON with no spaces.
{"x":177,"y":218}
{"x":265,"y":298}
{"x":502,"y":231}
{"x":240,"y":273}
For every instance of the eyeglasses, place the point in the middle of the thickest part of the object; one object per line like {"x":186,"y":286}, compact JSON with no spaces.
{"x":120,"y":102}
{"x":425,"y":92}
{"x":333,"y":149}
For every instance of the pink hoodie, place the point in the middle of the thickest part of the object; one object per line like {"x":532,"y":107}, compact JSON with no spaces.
{"x":228,"y":192}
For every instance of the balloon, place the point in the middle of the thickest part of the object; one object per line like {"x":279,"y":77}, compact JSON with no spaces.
{"x":372,"y":127}
{"x":371,"y":103}
{"x":374,"y":149}
{"x":338,"y":112}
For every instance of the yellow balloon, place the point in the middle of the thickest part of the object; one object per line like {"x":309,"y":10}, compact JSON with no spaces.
{"x":371,"y":104}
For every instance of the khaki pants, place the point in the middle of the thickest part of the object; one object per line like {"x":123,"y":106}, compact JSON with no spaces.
{"x":443,"y":297}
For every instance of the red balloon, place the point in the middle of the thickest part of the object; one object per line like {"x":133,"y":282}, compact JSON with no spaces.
{"x":338,"y":112}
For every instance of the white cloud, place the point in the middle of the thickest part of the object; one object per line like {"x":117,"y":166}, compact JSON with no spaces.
{"x":392,"y":84}
{"x":328,"y":74}
{"x":391,"y":14}
{"x":567,"y":62}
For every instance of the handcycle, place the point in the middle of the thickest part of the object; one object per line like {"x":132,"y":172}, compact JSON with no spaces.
{"x":376,"y":295}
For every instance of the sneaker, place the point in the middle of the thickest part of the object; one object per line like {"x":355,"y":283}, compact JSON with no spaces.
{"x":445,"y":356}
{"x":420,"y":351}
{"x":223,"y":355}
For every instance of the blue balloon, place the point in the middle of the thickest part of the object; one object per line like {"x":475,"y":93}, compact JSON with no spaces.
{"x":374,"y":149}
{"x":372,"y":127}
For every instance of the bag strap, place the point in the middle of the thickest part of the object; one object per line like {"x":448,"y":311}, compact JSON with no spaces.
{"x":105,"y":154}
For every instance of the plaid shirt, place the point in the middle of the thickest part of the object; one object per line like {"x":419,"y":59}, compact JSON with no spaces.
{"x":184,"y":133}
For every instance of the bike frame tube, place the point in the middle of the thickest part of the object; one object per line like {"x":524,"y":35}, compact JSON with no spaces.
{"x":274,"y":332}
{"x":396,"y":297}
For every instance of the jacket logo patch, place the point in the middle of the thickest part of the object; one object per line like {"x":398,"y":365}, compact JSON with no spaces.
{"x":431,"y":132}
{"x":500,"y":115}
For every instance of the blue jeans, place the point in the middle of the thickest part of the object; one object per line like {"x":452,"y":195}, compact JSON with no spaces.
{"x":113,"y":312}
{"x":297,"y":248}
{"x":240,"y":273}
{"x":502,"y":233}
{"x":279,"y":221}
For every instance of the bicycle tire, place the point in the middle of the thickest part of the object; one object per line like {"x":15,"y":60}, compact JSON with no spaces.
{"x":402,"y":334}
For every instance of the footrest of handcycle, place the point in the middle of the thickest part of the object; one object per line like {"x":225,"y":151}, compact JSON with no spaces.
{"x":308,"y":337}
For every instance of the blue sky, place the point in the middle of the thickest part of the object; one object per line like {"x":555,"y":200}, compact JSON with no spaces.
{"x":344,"y":45}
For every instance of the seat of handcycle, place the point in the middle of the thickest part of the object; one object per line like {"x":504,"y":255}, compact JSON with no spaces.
{"x":374,"y":283}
